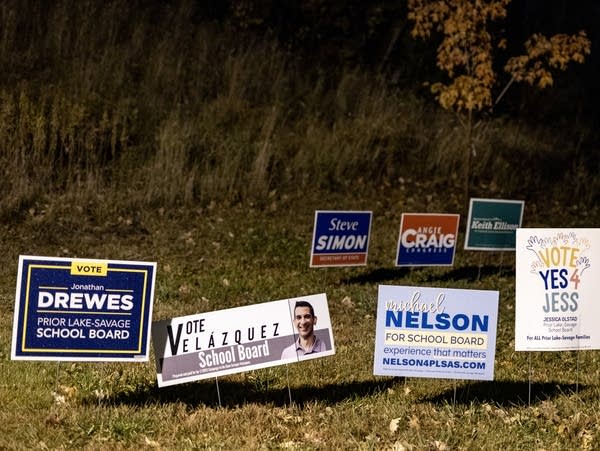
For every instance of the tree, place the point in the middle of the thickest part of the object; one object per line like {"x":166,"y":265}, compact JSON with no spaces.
{"x":466,"y":56}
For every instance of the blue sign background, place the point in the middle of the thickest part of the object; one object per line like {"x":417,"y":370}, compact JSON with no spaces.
{"x":441,"y":227}
{"x":105,"y":331}
{"x":350,"y":242}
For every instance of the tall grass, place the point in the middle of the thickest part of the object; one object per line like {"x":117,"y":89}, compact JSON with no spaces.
{"x":152,"y":104}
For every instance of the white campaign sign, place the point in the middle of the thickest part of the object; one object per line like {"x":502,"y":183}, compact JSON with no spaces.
{"x":222,"y":342}
{"x":557,"y":286}
{"x":435,"y":332}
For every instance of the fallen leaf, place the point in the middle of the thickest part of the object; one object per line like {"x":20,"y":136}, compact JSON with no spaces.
{"x":394,"y":425}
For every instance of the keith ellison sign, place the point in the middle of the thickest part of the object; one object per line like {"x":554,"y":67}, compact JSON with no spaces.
{"x":340,"y":238}
{"x":427,"y":239}
{"x":82,"y":310}
{"x":492,"y":224}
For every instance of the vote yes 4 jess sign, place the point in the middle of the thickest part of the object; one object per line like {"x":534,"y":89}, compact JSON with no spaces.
{"x":75,"y":309}
{"x":556,"y":289}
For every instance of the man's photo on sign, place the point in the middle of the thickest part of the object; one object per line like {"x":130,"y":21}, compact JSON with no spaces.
{"x":304,"y":324}
{"x":312,"y":329}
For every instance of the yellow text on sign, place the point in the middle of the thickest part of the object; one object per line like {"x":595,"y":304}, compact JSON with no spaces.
{"x":88,"y":268}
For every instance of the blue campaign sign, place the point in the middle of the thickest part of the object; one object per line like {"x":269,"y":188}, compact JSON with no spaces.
{"x":340,"y":238}
{"x":87,"y":310}
{"x":427,"y":239}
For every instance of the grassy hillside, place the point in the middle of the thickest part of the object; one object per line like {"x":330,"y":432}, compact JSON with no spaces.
{"x":132,"y":103}
{"x":219,"y":257}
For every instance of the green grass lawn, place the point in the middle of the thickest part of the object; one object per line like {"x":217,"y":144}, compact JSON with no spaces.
{"x":226,"y":256}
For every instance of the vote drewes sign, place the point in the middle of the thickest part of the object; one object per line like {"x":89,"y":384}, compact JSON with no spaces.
{"x":427,"y":239}
{"x":88,"y":310}
{"x":340,"y":238}
{"x":194,"y":347}
{"x":557,"y":286}
{"x":492,"y":224}
{"x":435,"y":332}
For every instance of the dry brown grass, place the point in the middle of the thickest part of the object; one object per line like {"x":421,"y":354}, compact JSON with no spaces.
{"x":128,"y":108}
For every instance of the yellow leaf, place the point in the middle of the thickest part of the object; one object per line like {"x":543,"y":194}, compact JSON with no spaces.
{"x":394,"y":425}
{"x":413,"y":423}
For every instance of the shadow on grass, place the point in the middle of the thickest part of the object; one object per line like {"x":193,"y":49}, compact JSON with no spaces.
{"x":466,"y":273}
{"x":379,"y":275}
{"x":233,"y":394}
{"x":504,"y":394}
{"x":473,"y":273}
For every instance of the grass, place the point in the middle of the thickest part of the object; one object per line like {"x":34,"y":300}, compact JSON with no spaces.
{"x":221,"y":257}
{"x":160,"y":136}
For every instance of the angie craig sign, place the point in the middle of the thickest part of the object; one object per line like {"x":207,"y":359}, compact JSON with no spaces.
{"x":427,"y":239}
{"x":222,"y":342}
{"x":340,"y":238}
{"x":557,"y":286}
{"x":492,"y":224}
{"x":435,"y":332}
{"x":76,"y":309}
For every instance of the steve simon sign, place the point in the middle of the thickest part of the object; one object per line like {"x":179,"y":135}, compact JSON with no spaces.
{"x":340,"y":238}
{"x":557,"y":285}
{"x":435,"y":332}
{"x":222,"y":342}
{"x":75,"y":309}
